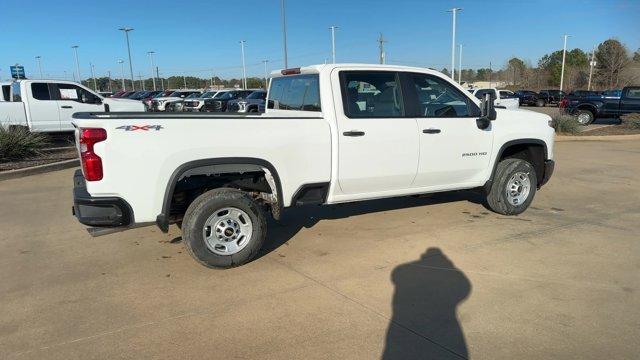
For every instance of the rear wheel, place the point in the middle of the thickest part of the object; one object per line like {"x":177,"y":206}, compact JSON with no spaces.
{"x":585,"y":117}
{"x":223,"y":228}
{"x":540,"y":103}
{"x":513,"y":188}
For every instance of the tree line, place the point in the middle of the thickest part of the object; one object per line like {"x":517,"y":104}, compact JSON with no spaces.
{"x":615,"y":67}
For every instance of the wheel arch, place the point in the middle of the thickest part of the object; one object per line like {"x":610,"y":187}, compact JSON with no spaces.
{"x":227,"y":164}
{"x":519,"y":145}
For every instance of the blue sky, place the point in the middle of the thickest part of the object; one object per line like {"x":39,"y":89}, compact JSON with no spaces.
{"x":191,"y":37}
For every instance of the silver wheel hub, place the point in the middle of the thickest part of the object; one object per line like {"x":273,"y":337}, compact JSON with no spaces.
{"x":518,"y":188}
{"x":584,"y":118}
{"x":227,"y":231}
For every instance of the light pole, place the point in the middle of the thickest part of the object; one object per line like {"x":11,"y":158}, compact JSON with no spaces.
{"x":460,"y":67}
{"x":265,"y":72}
{"x":109,"y":79}
{"x":244,"y":70}
{"x":564,"y":55}
{"x":126,"y":35}
{"x":592,"y":63}
{"x":121,"y":62}
{"x":152,"y":67}
{"x":39,"y":59}
{"x":75,"y":52}
{"x":381,"y":42}
{"x":454,"y":11}
{"x":93,"y":75}
{"x":284,"y":33}
{"x":333,"y":43}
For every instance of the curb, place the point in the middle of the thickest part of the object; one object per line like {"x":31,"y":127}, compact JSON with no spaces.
{"x":597,"y":137}
{"x":19,"y":173}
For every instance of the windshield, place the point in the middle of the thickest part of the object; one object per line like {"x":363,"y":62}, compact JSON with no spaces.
{"x":257,"y":95}
{"x":175,"y":94}
{"x":226,"y":96}
{"x":208,"y":95}
{"x":219,"y":94}
{"x":193,"y":96}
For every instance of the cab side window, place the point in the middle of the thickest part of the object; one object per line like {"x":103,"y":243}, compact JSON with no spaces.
{"x":40,"y":91}
{"x":76,"y":93}
{"x":371,"y":94}
{"x":438,"y":98}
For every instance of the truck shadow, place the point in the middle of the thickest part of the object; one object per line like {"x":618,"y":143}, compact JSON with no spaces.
{"x":295,"y":219}
{"x":424,"y":324}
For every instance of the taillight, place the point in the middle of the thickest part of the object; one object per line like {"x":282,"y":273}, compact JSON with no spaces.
{"x":91,"y":163}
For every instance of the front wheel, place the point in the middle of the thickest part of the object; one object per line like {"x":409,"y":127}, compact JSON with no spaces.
{"x":223,"y":228}
{"x":585,"y":117}
{"x":513,"y":188}
{"x":540,"y":103}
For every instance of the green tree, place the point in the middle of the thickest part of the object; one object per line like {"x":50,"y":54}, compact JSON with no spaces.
{"x":552,"y":64}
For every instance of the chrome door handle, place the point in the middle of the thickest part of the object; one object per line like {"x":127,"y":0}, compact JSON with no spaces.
{"x":66,"y":107}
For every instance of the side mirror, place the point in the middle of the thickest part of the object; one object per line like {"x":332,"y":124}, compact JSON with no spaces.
{"x":487,"y":107}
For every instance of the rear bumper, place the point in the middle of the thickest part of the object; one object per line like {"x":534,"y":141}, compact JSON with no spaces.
{"x":98,"y":211}
{"x":549,"y":166}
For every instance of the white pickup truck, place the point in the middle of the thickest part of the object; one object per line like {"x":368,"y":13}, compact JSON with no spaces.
{"x":502,"y":98}
{"x":48,"y":105}
{"x":331,"y":134}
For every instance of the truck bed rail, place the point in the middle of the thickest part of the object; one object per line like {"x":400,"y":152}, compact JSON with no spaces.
{"x":182,"y":115}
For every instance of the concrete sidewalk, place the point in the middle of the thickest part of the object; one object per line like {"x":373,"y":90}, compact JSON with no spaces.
{"x":432,"y":277}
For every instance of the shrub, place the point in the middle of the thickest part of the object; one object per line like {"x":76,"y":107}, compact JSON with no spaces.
{"x":17,"y":143}
{"x":566,"y":124}
{"x":631,"y":120}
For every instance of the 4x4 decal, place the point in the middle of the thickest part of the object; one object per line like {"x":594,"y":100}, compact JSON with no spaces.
{"x":139,"y":127}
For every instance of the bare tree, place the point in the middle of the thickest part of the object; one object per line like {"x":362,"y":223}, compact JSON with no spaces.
{"x":611,"y":58}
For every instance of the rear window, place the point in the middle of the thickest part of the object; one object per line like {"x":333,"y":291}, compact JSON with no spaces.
{"x":299,"y":92}
{"x":40,"y":91}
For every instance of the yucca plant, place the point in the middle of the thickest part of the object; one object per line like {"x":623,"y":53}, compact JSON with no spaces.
{"x":566,"y":124}
{"x":17,"y":143}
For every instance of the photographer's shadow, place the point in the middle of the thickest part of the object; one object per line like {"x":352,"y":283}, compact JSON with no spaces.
{"x":424,"y":324}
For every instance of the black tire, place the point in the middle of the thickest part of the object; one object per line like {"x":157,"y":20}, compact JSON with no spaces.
{"x":497,"y":196}
{"x":253,"y":109}
{"x":205,"y":206}
{"x":590,"y":117}
{"x":540,"y":103}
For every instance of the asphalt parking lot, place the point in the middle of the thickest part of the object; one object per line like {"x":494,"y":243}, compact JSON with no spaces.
{"x":431,"y":277}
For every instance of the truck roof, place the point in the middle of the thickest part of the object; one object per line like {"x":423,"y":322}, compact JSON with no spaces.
{"x":316,"y":69}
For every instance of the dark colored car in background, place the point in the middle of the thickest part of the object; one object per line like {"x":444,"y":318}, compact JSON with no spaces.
{"x":220,"y":103}
{"x":550,"y":97}
{"x":249,"y":104}
{"x":527,"y":97}
{"x":587,"y":109}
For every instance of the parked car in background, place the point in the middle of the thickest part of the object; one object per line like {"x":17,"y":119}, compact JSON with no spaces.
{"x":332,"y":134}
{"x":552,"y":97}
{"x":507,"y":94}
{"x":123,"y":94}
{"x":48,"y":105}
{"x":105,"y":93}
{"x":146,"y":98}
{"x":168,"y":103}
{"x":528,"y":97}
{"x":220,"y":103}
{"x":118,"y":93}
{"x":587,"y":109}
{"x":507,"y":103}
{"x":161,"y":93}
{"x":249,"y":104}
{"x":195,"y":104}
